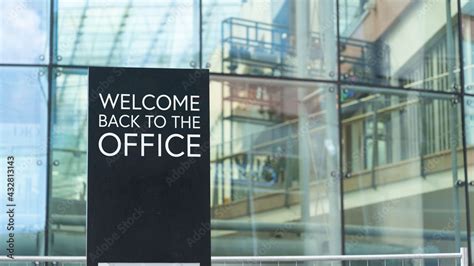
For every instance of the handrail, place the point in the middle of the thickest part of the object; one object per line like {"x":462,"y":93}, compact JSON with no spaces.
{"x":462,"y":255}
{"x":336,"y":257}
{"x":77,"y":259}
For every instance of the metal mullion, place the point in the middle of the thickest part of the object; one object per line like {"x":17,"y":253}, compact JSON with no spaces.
{"x":52,"y":29}
{"x":22,"y":65}
{"x":288,"y":79}
{"x":395,"y":88}
{"x":340,"y":174}
{"x":339,"y":82}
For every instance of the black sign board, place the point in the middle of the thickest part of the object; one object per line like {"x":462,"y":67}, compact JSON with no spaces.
{"x":148,"y":166}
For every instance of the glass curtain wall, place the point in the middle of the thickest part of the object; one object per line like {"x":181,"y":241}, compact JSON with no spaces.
{"x":336,"y":126}
{"x":404,"y":172}
{"x":23,"y":138}
{"x":274,"y":182}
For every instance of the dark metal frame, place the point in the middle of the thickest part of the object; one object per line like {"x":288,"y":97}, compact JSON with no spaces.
{"x":342,"y":175}
{"x":52,"y":51}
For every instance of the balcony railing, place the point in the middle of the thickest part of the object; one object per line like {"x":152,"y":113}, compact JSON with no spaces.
{"x":269,"y":49}
{"x":460,"y":258}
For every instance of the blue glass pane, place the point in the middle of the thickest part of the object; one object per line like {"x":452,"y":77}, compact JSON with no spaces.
{"x":468,"y":44}
{"x":24,"y":31}
{"x":128,"y":33}
{"x":23,"y":134}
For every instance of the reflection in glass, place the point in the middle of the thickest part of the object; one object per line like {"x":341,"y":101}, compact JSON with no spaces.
{"x":468,"y":44}
{"x":23,"y":134}
{"x":69,"y":158}
{"x":270,"y":38}
{"x":402,"y":153}
{"x":24,"y":32}
{"x":469,"y":135}
{"x":410,"y":44}
{"x":469,"y":123}
{"x":351,"y":12}
{"x":274,"y":164}
{"x":128,"y":33}
{"x":275,"y":143}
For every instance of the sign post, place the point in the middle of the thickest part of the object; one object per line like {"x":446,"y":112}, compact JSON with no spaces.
{"x":148,"y":167}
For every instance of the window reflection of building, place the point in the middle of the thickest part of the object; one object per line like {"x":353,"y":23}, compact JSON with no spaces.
{"x":284,"y":120}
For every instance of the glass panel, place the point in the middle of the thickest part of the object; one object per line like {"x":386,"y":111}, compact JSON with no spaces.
{"x":274,"y":165}
{"x":23,"y":135}
{"x":69,"y":159}
{"x":468,"y":44}
{"x":469,"y":135}
{"x":402,"y":152}
{"x":410,"y":44}
{"x":272,"y":38}
{"x":24,"y":31}
{"x":129,"y":33}
{"x":351,"y":12}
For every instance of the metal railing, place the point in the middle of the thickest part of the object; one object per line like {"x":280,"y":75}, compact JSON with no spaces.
{"x":460,"y":259}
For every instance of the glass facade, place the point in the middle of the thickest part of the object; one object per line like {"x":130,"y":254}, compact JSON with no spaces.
{"x":337,"y":127}
{"x":274,"y":167}
{"x":128,"y":33}
{"x":270,"y":38}
{"x":21,"y":21}
{"x":23,"y":133}
{"x":392,"y":145}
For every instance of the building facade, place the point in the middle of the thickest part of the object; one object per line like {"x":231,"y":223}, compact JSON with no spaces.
{"x":337,"y":127}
